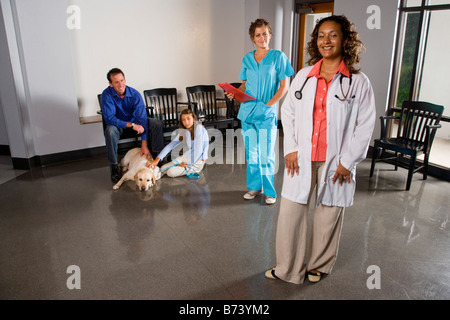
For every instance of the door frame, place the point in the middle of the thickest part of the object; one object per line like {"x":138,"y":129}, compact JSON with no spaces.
{"x":302,"y":10}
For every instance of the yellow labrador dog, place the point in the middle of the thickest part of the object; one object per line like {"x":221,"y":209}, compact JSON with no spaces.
{"x":143,"y":176}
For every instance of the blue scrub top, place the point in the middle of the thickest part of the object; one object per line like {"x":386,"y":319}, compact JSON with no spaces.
{"x":263,"y":80}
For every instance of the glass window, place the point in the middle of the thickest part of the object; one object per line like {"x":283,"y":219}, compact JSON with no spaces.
{"x":413,"y":3}
{"x":423,"y":68}
{"x":436,"y":68}
{"x":407,"y":60}
{"x":435,"y":2}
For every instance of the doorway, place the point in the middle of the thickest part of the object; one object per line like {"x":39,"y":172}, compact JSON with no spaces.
{"x":309,"y":13}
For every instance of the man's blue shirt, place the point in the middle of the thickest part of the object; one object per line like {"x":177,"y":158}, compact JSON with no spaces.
{"x":117,"y":112}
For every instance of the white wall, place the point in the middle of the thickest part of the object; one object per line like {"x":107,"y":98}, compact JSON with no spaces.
{"x":168,"y":43}
{"x":376,"y":61}
{"x":3,"y":133}
{"x":158,"y":43}
{"x":5,"y":65}
{"x":280,"y":14}
{"x":12,"y":91}
{"x":50,"y":110}
{"x":50,"y":69}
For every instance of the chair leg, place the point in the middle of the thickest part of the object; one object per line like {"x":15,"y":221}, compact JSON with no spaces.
{"x":372,"y":167}
{"x":396,"y":161}
{"x":377,"y":152}
{"x":412,"y":165}
{"x":425,"y":167}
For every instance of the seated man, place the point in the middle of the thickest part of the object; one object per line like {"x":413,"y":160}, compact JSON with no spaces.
{"x":123,"y":107}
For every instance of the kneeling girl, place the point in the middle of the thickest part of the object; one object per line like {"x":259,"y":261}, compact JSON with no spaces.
{"x":197,"y":141}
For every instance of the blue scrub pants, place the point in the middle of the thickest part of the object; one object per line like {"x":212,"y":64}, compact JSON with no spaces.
{"x":259,"y":141}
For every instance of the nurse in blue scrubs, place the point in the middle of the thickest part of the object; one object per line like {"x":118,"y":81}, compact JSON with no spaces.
{"x":265,"y":75}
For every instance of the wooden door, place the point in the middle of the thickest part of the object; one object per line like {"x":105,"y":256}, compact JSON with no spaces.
{"x":309,"y":15}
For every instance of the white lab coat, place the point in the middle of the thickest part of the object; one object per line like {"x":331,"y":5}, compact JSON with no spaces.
{"x":349,"y":131}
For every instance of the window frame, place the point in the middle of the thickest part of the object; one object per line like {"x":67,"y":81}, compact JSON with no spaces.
{"x":425,"y":11}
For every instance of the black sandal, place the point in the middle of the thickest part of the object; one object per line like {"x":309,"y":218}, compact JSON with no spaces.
{"x":313,"y":276}
{"x":270,"y":274}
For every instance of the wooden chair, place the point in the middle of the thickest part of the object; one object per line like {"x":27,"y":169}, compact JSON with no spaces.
{"x":204,"y":101}
{"x":162,"y":104}
{"x":417,"y":126}
{"x":233,"y":106}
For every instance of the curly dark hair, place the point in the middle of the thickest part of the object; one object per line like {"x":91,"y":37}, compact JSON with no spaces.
{"x":351,"y":49}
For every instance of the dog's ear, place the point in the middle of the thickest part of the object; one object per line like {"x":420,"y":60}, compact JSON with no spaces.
{"x":153,"y":179}
{"x":136,"y":177}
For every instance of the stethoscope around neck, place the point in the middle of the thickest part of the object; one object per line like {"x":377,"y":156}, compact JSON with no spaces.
{"x":299,"y":95}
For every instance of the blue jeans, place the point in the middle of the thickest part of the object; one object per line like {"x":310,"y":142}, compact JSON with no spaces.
{"x":259,"y":141}
{"x":155,"y":136}
{"x":112,"y":136}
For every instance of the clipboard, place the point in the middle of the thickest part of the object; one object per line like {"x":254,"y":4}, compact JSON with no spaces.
{"x":238,"y":94}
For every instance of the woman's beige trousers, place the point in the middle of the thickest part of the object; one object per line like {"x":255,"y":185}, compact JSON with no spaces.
{"x":293,"y":259}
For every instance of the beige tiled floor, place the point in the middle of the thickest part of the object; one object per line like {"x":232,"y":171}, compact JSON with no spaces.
{"x":440,"y":152}
{"x":7,"y":172}
{"x":199,"y":239}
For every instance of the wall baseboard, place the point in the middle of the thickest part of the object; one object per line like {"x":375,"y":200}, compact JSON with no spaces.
{"x":63,"y":157}
{"x":4,"y":150}
{"x":57,"y":158}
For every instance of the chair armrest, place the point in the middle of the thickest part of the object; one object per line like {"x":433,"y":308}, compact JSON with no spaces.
{"x":436,"y":126}
{"x":383,"y":120}
{"x":430,"y":131}
{"x":389,"y":117}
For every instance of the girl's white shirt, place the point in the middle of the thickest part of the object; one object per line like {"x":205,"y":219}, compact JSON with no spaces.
{"x":197,"y":148}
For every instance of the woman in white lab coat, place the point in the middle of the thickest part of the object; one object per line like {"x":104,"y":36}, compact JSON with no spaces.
{"x":328,"y":118}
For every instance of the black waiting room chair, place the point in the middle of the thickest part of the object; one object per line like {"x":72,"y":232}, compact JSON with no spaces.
{"x":162,"y":104}
{"x":204,"y":102}
{"x":233,"y":106}
{"x":417,"y":126}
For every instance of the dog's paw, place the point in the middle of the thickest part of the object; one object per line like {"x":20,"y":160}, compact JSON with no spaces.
{"x":115,"y":187}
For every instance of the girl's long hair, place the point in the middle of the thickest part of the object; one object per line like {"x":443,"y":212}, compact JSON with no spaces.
{"x":181,"y":126}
